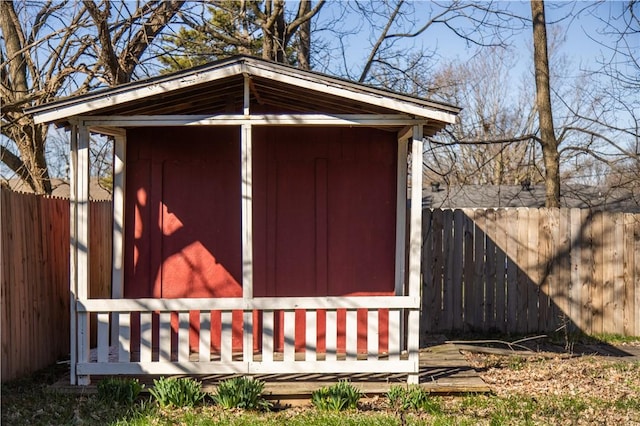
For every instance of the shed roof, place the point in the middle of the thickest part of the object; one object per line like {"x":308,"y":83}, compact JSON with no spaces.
{"x":217,"y":88}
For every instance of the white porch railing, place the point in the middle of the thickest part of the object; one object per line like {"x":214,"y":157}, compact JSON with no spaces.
{"x":114,"y":314}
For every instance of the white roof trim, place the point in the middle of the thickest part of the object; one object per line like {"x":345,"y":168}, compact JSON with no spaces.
{"x":248,"y":66}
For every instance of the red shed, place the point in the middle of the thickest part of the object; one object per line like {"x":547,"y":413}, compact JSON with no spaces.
{"x":260,"y":223}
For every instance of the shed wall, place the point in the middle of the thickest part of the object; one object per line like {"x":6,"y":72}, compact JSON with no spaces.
{"x":323,"y":208}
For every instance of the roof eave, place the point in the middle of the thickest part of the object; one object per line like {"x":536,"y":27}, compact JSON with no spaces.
{"x":64,"y":109}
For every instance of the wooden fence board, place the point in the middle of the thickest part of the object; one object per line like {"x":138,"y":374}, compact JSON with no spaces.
{"x":490,"y":270}
{"x":501,"y":270}
{"x":524,"y":282}
{"x":478,"y":273}
{"x":534,"y":270}
{"x":628,"y":271}
{"x":456,"y":291}
{"x":636,"y":275}
{"x":545,"y":270}
{"x":617,"y":263}
{"x":564,"y":266}
{"x":449,"y":263}
{"x":512,"y":268}
{"x":608,"y":241}
{"x":533,"y":266}
{"x":35,"y":278}
{"x":427,"y":319}
{"x":468,"y":268}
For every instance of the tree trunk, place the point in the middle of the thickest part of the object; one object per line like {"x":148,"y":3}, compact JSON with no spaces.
{"x":304,"y":38}
{"x":543,"y":99}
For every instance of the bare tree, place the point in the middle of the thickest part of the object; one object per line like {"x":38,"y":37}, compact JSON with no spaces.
{"x":397,"y":22}
{"x":494,"y":139}
{"x":51,"y":49}
{"x":547,"y":139}
{"x":268,"y":29}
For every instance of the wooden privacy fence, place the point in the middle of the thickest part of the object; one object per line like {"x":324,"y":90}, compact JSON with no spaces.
{"x":35,"y":277}
{"x":531,"y":270}
{"x":516,"y":271}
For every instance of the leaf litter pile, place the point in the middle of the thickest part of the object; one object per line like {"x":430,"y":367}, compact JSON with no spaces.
{"x":559,"y":389}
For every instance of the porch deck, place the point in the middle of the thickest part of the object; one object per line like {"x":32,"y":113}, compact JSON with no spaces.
{"x":443,"y":370}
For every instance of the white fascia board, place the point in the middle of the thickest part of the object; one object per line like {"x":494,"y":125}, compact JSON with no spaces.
{"x":97,"y":122}
{"x":323,"y":86}
{"x":135,"y":93}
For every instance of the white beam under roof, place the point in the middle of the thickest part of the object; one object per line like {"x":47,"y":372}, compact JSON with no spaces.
{"x":97,"y":122}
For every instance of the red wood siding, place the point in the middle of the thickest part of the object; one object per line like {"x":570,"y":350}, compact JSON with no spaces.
{"x":183,"y":216}
{"x":324,"y":217}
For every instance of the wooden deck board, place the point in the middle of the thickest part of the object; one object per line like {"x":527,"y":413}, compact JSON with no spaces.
{"x":443,"y":370}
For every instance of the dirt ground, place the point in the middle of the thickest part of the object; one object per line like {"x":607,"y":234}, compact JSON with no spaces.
{"x":607,"y":378}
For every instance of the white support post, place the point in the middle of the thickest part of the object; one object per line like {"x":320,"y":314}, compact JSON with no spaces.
{"x":73,"y":253}
{"x":415,"y":249}
{"x":247,"y":219}
{"x":117,"y":273}
{"x":82,"y":241}
{"x":401,"y":216}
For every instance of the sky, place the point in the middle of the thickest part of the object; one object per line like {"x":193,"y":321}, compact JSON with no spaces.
{"x":579,"y":22}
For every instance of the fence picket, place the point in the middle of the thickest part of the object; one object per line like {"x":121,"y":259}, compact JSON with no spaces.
{"x":456,"y":290}
{"x":629,"y":266}
{"x":617,"y":263}
{"x":501,"y":270}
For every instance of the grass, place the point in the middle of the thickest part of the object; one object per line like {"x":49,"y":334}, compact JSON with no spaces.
{"x":30,"y":402}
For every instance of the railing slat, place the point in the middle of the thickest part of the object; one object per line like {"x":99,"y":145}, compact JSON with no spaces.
{"x":247,"y":342}
{"x":373,"y":338}
{"x":124,"y":331}
{"x":145,"y":336}
{"x":311,"y":335}
{"x":103,"y":337}
{"x":394,"y":335}
{"x":268,"y":336}
{"x":164,"y":346}
{"x":226,"y":336}
{"x":352,"y":335}
{"x":183,"y":336}
{"x":331,"y":331}
{"x":204,"y":351}
{"x":289,"y":335}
